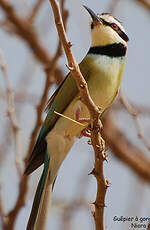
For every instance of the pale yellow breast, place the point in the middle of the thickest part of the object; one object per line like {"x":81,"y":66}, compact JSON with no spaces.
{"x":105,"y":80}
{"x":103,"y":85}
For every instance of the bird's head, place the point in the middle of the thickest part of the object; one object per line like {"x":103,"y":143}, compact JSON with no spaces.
{"x":106,"y":29}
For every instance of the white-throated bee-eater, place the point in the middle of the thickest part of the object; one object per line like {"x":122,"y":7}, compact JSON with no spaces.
{"x":102,"y":68}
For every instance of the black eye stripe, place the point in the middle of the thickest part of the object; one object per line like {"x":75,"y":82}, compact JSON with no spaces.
{"x":109,"y":24}
{"x":120,"y":32}
{"x":123,"y":35}
{"x":105,"y":22}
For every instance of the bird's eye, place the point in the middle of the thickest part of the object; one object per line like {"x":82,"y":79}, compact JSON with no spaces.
{"x":114,"y":26}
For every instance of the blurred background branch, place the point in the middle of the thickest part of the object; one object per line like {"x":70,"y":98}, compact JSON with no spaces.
{"x":144,"y":3}
{"x":12,"y":114}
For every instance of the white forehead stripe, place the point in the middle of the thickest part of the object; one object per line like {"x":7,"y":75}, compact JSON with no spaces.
{"x":110,"y":19}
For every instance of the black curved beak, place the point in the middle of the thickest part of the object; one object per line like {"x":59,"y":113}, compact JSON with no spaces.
{"x":94,"y":17}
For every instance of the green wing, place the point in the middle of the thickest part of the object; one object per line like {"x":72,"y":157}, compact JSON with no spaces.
{"x":58,"y":102}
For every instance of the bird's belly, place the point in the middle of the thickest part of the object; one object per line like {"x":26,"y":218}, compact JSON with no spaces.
{"x":103,"y":86}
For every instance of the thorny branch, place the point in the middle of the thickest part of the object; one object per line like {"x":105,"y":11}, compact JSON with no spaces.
{"x":96,"y":139}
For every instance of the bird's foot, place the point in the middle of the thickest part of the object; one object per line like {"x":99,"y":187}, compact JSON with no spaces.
{"x":86,"y":133}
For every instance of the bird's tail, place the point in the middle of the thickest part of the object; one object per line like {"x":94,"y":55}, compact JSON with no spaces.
{"x":40,"y":205}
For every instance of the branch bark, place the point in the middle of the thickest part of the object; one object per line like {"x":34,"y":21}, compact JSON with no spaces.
{"x":96,"y":139}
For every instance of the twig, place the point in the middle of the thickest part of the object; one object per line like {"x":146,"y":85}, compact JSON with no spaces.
{"x":68,"y":211}
{"x":134,"y":113}
{"x":97,"y":142}
{"x":35,"y":10}
{"x":141,"y":109}
{"x":12,"y":114}
{"x":124,"y":150}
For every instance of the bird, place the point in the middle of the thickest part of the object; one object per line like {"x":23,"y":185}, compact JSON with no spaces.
{"x":102,"y":68}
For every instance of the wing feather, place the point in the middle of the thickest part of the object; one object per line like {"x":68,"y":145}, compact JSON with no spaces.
{"x":58,"y":102}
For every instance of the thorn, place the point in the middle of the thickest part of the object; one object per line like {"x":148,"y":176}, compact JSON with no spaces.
{"x":100,"y":125}
{"x":93,"y":213}
{"x":70,"y":68}
{"x":69,"y":44}
{"x":82,"y":86}
{"x":93,"y":172}
{"x":104,"y":155}
{"x":100,"y":109}
{"x":103,"y":142}
{"x":107,"y":183}
{"x":92,"y":209}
